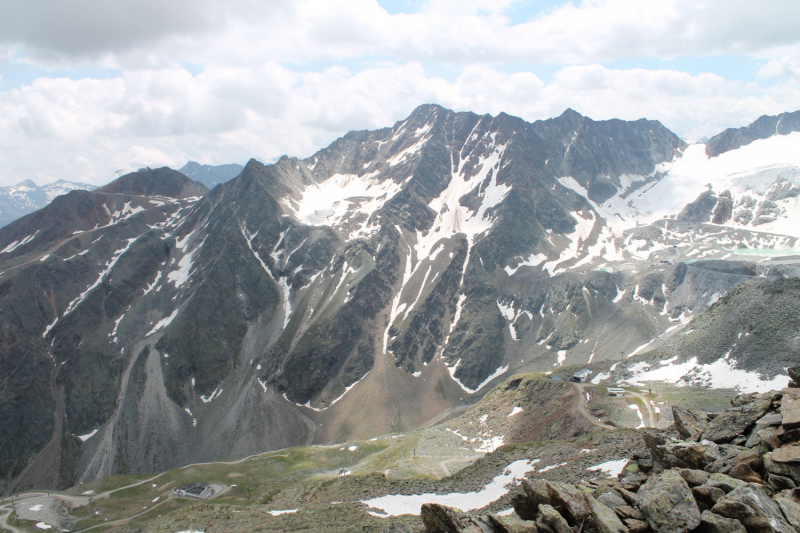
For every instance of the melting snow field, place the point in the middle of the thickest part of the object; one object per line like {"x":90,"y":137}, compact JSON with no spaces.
{"x":611,"y":468}
{"x":328,"y":202}
{"x":452,"y":369}
{"x":400,"y":504}
{"x":164,"y":322}
{"x":88,"y":436}
{"x":283,"y":511}
{"x":721,"y":374}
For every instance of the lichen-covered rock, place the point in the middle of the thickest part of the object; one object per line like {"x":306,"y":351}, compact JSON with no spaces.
{"x":527,"y":503}
{"x":755,"y":509}
{"x":724,"y":482}
{"x":794,"y":373}
{"x":667,"y":504}
{"x":611,"y":499}
{"x":605,"y":520}
{"x":714,"y":523}
{"x":690,"y":423}
{"x":440,"y":519}
{"x":766,"y":436}
{"x":745,"y":473}
{"x":707,"y":495}
{"x":694,"y":478}
{"x":549,"y":521}
{"x":791,"y":511}
{"x":498,"y":524}
{"x":681,"y":454}
{"x":726,"y":463}
{"x":627,"y":495}
{"x":637,"y":526}
{"x":790,"y":470}
{"x":736,"y":421}
{"x":779,"y":483}
{"x":787,"y":454}
{"x":571,"y":501}
{"x":790,"y":409}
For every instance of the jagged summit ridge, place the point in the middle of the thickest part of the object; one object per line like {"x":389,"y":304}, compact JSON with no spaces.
{"x":371,"y":286}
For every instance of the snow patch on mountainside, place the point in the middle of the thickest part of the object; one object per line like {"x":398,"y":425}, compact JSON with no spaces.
{"x":164,"y":322}
{"x":16,"y":244}
{"x":400,"y":504}
{"x":109,"y":265}
{"x":721,"y":374}
{"x":452,"y":370}
{"x":340,"y":197}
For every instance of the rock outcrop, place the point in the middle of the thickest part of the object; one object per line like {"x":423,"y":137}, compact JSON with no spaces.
{"x":697,"y":484}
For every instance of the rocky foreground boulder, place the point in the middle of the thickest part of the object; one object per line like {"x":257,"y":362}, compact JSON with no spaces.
{"x":736,"y":472}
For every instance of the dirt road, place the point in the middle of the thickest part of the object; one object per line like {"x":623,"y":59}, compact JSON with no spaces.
{"x":581,"y":406}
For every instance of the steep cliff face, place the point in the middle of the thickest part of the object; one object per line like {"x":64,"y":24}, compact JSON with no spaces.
{"x":387,"y":279}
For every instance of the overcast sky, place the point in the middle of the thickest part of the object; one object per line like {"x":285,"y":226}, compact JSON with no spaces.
{"x":88,"y":87}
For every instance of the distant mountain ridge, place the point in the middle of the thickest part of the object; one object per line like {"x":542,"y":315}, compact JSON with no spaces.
{"x":210,"y":175}
{"x":26,"y":197}
{"x":764,"y":127}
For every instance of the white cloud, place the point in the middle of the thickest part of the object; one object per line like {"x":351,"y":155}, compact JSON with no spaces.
{"x":153,"y":32}
{"x":87,"y":129}
{"x":784,"y":63}
{"x":288,"y":77}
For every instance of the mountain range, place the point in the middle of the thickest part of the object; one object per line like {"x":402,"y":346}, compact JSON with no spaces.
{"x":392,"y":277}
{"x":26,"y":197}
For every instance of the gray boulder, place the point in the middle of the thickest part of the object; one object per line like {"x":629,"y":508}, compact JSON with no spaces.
{"x":440,"y":519}
{"x":605,"y":520}
{"x":791,"y":511}
{"x":735,"y":422}
{"x":681,"y":454}
{"x":714,"y":523}
{"x":755,"y":509}
{"x":569,"y":500}
{"x":690,"y":423}
{"x":779,"y":483}
{"x":611,"y":499}
{"x":788,"y":469}
{"x":794,"y":373}
{"x":707,"y":495}
{"x":667,"y":504}
{"x":549,"y":521}
{"x":527,"y":503}
{"x":724,"y":482}
{"x":694,"y":478}
{"x":790,"y":409}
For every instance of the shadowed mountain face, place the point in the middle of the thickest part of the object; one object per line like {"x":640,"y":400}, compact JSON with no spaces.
{"x":159,"y":182}
{"x":209,"y":175}
{"x":372,"y":287}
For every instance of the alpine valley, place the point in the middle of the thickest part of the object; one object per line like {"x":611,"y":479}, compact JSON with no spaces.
{"x":387,"y":283}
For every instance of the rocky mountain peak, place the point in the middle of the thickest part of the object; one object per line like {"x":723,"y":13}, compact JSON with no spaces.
{"x":763,"y":127}
{"x":155,"y":182}
{"x":209,"y":175}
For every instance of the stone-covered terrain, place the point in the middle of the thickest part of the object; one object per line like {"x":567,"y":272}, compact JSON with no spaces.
{"x":734,"y":471}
